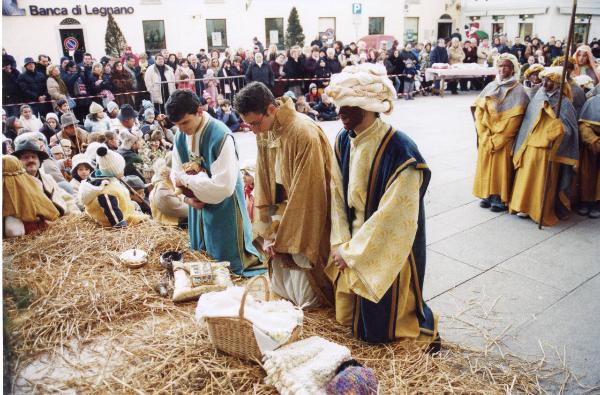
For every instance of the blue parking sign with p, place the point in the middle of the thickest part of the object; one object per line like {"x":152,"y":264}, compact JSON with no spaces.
{"x":356,"y":8}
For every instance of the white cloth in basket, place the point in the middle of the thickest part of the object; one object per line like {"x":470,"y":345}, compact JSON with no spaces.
{"x":304,"y":367}
{"x":273,"y":321}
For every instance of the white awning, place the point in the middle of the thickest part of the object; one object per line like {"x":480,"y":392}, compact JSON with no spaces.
{"x":506,"y":11}
{"x":580,"y":10}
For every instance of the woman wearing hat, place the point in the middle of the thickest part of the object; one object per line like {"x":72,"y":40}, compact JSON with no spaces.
{"x":96,"y":120}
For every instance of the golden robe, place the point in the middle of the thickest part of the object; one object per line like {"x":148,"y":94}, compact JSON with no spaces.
{"x":498,"y":116}
{"x":544,"y":138}
{"x":589,"y":163}
{"x":379,"y":251}
{"x":295,"y":213}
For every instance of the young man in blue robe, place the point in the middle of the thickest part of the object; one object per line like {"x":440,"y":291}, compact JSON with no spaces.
{"x":378,"y":219}
{"x":205,"y":166}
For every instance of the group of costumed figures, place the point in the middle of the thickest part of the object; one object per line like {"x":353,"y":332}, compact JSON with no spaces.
{"x":342,"y":227}
{"x":345,"y":227}
{"x":534,"y":159}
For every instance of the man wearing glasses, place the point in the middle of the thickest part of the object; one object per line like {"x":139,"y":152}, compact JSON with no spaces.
{"x":292,"y":195}
{"x":205,"y":166}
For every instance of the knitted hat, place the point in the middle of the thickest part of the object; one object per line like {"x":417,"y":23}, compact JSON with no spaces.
{"x":110,"y":163}
{"x":57,"y":149}
{"x":149,"y":113}
{"x":311,"y":86}
{"x":146,"y":104}
{"x":81,"y":159}
{"x":68,"y":119}
{"x":366,"y":86}
{"x":96,"y":108}
{"x":52,"y":115}
{"x":354,"y":380}
{"x":111,"y":106}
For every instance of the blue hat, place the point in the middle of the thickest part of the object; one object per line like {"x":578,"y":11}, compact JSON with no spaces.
{"x":290,"y":94}
{"x":127,"y":112}
{"x":28,"y":60}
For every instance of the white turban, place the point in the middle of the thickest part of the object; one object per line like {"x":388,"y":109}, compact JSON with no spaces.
{"x":366,"y":86}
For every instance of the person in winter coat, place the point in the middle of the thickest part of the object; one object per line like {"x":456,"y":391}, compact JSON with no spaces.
{"x":322,"y":73}
{"x":438,"y":55}
{"x":456,"y":55}
{"x":122,"y":83}
{"x":32,"y":84}
{"x":70,"y":131}
{"x":11,"y":92}
{"x":294,"y":69}
{"x":100,"y":84}
{"x":96,"y":120}
{"x":160,"y":82}
{"x":183,"y":75}
{"x":29,"y":120}
{"x":51,"y":126}
{"x":259,"y":71}
{"x":132,"y":140}
{"x":105,"y":198}
{"x":326,"y":109}
{"x":277,"y":68}
{"x":227,"y":116}
{"x":82,"y":168}
{"x":228,"y":86}
{"x":311,"y":63}
{"x":57,"y":89}
{"x":333,"y":64}
{"x":313,"y":97}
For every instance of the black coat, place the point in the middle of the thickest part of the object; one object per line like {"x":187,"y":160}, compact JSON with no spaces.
{"x":322,"y":72}
{"x":262,"y":73}
{"x":11,"y":92}
{"x":333,"y":65}
{"x":32,"y":84}
{"x":438,"y":55}
{"x":105,"y":83}
{"x":198,"y":73}
{"x":293,"y":69}
{"x":310,"y":66}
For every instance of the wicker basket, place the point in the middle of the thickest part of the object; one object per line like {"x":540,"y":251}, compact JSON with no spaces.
{"x":235,"y":335}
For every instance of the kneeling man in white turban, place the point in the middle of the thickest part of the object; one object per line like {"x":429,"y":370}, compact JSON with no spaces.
{"x":378,"y":221}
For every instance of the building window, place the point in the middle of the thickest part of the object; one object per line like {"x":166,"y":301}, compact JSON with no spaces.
{"x":154,"y":36}
{"x":411,"y":29}
{"x":525,"y":29}
{"x":376,"y":25}
{"x":327,"y":30}
{"x":274,"y":32}
{"x":498,"y":26}
{"x":216,"y":33}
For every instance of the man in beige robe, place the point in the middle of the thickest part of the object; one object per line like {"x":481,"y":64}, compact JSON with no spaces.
{"x":292,"y":195}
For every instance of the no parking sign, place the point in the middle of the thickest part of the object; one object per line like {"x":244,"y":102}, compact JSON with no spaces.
{"x":71,"y":43}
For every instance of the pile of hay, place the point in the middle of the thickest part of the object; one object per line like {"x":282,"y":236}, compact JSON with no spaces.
{"x":77,"y":287}
{"x":73,"y":293}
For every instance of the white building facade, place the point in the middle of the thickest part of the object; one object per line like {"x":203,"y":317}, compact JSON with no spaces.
{"x":534,"y":18}
{"x":32,"y":27}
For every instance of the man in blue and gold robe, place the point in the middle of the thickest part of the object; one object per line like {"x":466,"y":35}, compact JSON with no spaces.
{"x":205,"y":166}
{"x":378,"y":221}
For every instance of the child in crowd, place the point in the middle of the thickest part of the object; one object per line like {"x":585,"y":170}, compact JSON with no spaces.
{"x":105,"y":198}
{"x":410,"y":71}
{"x":149,"y":124}
{"x":227,"y":116}
{"x":112,"y":140}
{"x":51,"y":126}
{"x":210,"y":87}
{"x":313,"y":97}
{"x":303,"y":108}
{"x":81,"y":170}
{"x":137,"y":194}
{"x":62,"y":107}
{"x":326,"y":109}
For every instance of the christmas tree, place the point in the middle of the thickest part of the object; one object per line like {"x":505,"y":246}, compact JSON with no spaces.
{"x":294,"y":34}
{"x":114,"y":39}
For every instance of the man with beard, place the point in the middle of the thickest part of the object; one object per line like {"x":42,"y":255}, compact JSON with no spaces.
{"x":378,"y":219}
